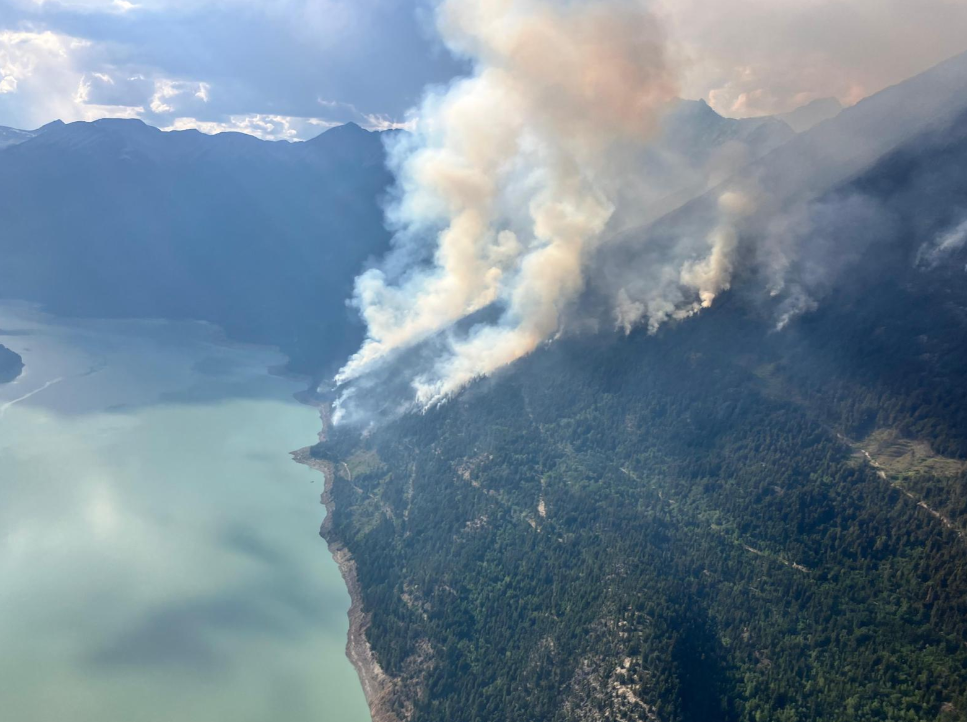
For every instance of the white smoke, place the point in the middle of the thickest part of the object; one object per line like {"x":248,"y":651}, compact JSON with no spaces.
{"x":511,"y":173}
{"x":675,"y":282}
{"x":504,"y":215}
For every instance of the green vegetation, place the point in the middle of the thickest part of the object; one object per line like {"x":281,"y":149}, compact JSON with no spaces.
{"x":707,"y":550}
{"x":678,"y":527}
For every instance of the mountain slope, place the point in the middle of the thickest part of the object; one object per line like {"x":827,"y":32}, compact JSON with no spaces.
{"x":11,"y":365}
{"x":810,"y":163}
{"x":696,"y":149}
{"x":12,"y":136}
{"x":116,"y":218}
{"x":716,"y":522}
{"x":785,"y":206}
{"x":812,"y":113}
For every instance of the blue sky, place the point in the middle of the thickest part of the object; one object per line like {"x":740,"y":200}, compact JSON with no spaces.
{"x":291,"y":68}
{"x":279,"y":68}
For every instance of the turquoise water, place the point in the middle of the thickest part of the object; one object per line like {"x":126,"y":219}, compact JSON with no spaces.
{"x":159,"y":551}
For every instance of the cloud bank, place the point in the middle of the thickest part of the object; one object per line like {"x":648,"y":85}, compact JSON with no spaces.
{"x":277,"y":70}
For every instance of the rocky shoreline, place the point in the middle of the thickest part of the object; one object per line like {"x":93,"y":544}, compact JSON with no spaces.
{"x":376,"y":684}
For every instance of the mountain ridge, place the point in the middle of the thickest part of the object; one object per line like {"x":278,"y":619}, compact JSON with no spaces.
{"x":812,"y":113}
{"x":116,"y":218}
{"x":693,"y":525}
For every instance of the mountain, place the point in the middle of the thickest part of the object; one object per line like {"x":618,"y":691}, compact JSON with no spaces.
{"x":784,"y":188}
{"x":13,"y":136}
{"x":696,"y":149}
{"x":812,"y":113}
{"x":831,"y":152}
{"x":116,"y":218}
{"x":694,"y":130}
{"x":717,"y":521}
{"x":11,"y":365}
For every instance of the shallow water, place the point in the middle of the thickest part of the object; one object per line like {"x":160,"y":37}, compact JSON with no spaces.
{"x":159,"y":551}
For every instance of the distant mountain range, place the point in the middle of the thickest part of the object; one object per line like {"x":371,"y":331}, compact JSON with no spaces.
{"x":117,"y":218}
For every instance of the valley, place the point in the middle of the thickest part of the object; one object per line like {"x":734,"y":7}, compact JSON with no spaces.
{"x":633,"y":406}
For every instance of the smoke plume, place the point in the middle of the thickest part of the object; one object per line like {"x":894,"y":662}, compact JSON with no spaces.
{"x":511,"y":175}
{"x":514,"y":188}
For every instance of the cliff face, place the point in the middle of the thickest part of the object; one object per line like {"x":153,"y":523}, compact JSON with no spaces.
{"x":10,"y":365}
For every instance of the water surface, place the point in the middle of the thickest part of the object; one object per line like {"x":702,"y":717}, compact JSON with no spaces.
{"x":159,"y":551}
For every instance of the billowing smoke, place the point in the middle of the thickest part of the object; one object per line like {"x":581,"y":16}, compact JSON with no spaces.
{"x":511,"y":174}
{"x":671,"y":281}
{"x":532,"y":198}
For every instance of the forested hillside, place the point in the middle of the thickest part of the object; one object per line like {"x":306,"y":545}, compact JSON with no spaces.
{"x":720,"y":521}
{"x":11,"y":365}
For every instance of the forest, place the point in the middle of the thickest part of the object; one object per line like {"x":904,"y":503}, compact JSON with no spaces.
{"x":719,"y":521}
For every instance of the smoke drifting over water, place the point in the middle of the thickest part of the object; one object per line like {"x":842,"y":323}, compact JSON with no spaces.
{"x":511,"y":174}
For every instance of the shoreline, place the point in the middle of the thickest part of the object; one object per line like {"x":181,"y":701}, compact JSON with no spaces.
{"x":375,"y":683}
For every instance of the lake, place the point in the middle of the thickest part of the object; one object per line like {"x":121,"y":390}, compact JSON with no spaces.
{"x":159,"y":550}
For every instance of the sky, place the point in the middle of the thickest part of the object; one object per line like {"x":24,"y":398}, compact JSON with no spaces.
{"x":288,"y":69}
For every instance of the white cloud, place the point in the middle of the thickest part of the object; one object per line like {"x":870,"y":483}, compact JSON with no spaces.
{"x":46,"y":75}
{"x":378,"y":121}
{"x":166,"y":90}
{"x":83,"y":93}
{"x":23,"y":53}
{"x":336,"y":48}
{"x":266,"y":127}
{"x":38,"y":76}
